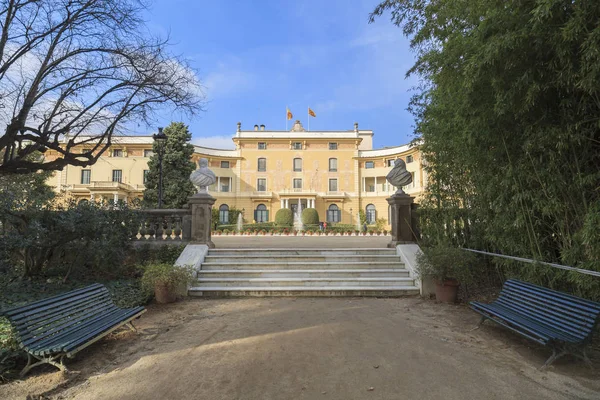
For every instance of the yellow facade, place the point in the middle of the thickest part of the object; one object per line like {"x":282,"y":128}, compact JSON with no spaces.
{"x":336,"y":172}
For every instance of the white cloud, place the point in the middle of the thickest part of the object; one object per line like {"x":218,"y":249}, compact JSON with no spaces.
{"x":215,"y":142}
{"x":229,"y":78}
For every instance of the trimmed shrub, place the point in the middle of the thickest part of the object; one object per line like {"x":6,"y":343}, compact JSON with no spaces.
{"x":284,"y":217}
{"x":310,"y":216}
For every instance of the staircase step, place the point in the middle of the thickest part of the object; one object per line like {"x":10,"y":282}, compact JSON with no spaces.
{"x":305,"y":282}
{"x":302,"y":265}
{"x":302,"y":291}
{"x":257,"y":257}
{"x":302,"y":273}
{"x":302,"y":251}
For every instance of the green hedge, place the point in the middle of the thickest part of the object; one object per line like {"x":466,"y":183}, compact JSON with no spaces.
{"x":310,"y":216}
{"x":284,"y":217}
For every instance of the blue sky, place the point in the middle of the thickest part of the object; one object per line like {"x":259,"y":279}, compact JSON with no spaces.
{"x":256,"y":57}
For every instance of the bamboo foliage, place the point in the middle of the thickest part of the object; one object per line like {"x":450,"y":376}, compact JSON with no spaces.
{"x":508,"y":112}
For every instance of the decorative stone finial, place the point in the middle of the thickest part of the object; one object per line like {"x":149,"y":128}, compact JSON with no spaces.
{"x":239,"y":126}
{"x":399,"y":176}
{"x":298,"y":127}
{"x":356,"y":127}
{"x":202,"y":177}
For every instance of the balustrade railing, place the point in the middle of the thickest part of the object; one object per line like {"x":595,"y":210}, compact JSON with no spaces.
{"x":164,"y":225}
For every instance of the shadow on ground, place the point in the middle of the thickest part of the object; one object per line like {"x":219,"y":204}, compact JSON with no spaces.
{"x":331,"y":348}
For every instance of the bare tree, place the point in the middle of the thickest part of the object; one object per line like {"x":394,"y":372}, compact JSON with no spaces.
{"x":78,"y":71}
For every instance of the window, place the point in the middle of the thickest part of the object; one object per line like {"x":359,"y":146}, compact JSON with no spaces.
{"x":409,"y":159}
{"x":297,"y":183}
{"x":297,"y":146}
{"x":262,"y":164}
{"x":371,"y":188}
{"x":333,"y":213}
{"x":333,"y":165}
{"x":117,"y":175}
{"x":332,"y":146}
{"x":371,"y":214}
{"x":261,"y":214}
{"x":297,"y":164}
{"x":224,"y":164}
{"x":369,"y":164}
{"x":117,"y":153}
{"x":85,"y":176}
{"x":225,"y":184}
{"x":261,"y":185}
{"x":224,"y":214}
{"x":262,"y":145}
{"x":146,"y":172}
{"x":148,"y":153}
{"x":333,"y":185}
{"x":390,"y":162}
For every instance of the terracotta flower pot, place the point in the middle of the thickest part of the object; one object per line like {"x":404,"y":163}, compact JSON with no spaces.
{"x":446,"y":291}
{"x":164,"y":293}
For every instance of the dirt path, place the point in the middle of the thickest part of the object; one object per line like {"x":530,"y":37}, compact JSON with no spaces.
{"x":330,"y":348}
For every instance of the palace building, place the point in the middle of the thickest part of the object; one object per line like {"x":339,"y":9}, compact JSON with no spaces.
{"x":336,"y":172}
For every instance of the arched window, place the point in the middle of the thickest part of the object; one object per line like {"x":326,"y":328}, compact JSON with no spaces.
{"x":333,"y":165}
{"x":261,"y":214}
{"x":262,"y":164}
{"x":371,"y":214}
{"x":297,"y":164}
{"x":333,"y":213}
{"x":224,"y":214}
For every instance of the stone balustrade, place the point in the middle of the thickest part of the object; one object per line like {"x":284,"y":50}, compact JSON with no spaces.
{"x":164,"y":225}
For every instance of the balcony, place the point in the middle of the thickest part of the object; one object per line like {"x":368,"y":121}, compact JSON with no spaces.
{"x":104,"y":185}
{"x":261,"y":195}
{"x":335,"y":194}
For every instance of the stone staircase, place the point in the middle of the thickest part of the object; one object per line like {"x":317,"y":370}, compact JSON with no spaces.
{"x":303,"y":272}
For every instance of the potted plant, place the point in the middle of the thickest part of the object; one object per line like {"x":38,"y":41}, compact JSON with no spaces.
{"x":447,"y":266}
{"x":166,"y":280}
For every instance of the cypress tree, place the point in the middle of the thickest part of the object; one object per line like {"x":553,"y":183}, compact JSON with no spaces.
{"x":177,"y":166}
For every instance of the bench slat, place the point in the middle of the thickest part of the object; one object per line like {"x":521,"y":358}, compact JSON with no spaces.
{"x":42,"y":320}
{"x":66,"y":324}
{"x":49,"y":342}
{"x":541,"y":303}
{"x":524,"y":326}
{"x":531,"y":336}
{"x":50,"y":308}
{"x":550,"y":318}
{"x":573,"y":302}
{"x":66,"y":342}
{"x":40,"y":303}
{"x":106,"y":327}
{"x":541,"y":323}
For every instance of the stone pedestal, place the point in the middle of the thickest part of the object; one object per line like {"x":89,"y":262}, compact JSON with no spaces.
{"x":401,"y":219}
{"x":201,"y":206}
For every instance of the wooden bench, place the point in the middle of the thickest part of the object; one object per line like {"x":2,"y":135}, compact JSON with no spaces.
{"x":563,"y":322}
{"x":59,"y":326}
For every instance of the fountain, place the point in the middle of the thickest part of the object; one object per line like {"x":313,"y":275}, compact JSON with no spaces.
{"x":358,"y":226}
{"x":240,"y":223}
{"x":298,"y":225}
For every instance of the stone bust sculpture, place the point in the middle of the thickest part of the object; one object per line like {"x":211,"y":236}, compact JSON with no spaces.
{"x":399,"y":176}
{"x":202,"y":177}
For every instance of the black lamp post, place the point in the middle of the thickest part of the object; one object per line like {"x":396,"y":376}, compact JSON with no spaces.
{"x":160,"y":138}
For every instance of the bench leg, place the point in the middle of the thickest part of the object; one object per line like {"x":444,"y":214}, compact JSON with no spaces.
{"x":49,"y":360}
{"x":555,"y":356}
{"x":130,"y":326}
{"x":479,"y":324}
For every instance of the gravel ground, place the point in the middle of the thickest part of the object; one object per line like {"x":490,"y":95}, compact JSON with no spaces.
{"x":312,"y":348}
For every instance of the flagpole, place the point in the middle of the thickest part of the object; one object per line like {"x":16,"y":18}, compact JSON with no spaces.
{"x":308,"y":118}
{"x":286,"y":117}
